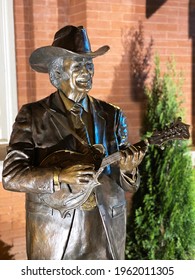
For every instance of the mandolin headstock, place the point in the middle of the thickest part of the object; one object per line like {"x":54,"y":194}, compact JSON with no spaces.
{"x":175,"y":131}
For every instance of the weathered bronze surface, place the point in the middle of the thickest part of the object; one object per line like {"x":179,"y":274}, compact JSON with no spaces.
{"x":64,"y":154}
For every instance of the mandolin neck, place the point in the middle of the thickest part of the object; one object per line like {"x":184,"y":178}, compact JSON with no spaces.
{"x":176,"y":131}
{"x":117,"y":155}
{"x":110,"y":159}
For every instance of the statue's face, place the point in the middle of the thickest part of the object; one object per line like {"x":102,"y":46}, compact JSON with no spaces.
{"x":75,"y":81}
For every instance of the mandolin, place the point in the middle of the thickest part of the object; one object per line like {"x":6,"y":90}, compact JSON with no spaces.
{"x":65,"y":158}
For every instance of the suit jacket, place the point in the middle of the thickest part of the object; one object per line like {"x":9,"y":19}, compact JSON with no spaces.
{"x":36,"y":134}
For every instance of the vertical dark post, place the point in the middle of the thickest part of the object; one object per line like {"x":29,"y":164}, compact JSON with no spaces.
{"x":192,"y":36}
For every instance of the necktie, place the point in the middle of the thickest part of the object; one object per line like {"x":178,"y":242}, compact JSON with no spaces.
{"x":79,"y":125}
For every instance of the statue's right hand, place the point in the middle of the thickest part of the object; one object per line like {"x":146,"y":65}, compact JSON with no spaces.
{"x":77,"y":177}
{"x":77,"y":174}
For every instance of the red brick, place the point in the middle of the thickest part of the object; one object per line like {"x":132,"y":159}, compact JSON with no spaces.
{"x":140,"y":9}
{"x":122,"y":8}
{"x":79,"y":8}
{"x":98,"y":6}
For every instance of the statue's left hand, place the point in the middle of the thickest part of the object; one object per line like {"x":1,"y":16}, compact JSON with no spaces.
{"x":131,"y":158}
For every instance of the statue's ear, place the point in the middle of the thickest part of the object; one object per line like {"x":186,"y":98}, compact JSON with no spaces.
{"x":55,"y":77}
{"x":56,"y":72}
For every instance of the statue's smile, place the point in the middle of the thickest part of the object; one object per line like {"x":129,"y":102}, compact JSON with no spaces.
{"x":84,"y":82}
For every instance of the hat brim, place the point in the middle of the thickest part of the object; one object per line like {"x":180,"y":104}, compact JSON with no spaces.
{"x":42,"y":57}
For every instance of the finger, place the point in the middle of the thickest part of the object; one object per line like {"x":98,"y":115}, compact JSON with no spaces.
{"x":133,"y":149}
{"x":80,"y":182}
{"x":84,"y":167}
{"x":135,"y":158}
{"x":85,"y":179}
{"x":141,"y":156}
{"x":129,"y":155}
{"x":141,"y":150}
{"x":85,"y":173}
{"x":123,"y":157}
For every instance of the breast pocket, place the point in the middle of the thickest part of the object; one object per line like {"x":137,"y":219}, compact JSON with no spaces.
{"x":118,"y":209}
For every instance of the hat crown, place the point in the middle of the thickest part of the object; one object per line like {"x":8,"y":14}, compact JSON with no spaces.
{"x":72,"y":38}
{"x":70,"y":41}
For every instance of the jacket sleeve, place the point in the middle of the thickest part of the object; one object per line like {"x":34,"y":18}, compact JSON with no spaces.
{"x":19,"y":174}
{"x":129,"y":181}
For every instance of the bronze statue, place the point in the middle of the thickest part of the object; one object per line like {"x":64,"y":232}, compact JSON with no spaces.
{"x":69,"y":153}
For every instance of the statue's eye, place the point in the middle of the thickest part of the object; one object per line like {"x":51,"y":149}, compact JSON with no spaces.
{"x":89,"y":66}
{"x":77,"y":67}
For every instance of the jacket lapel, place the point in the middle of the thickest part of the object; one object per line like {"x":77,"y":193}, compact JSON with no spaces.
{"x":98,"y":122}
{"x":57,"y":106}
{"x":100,"y":131}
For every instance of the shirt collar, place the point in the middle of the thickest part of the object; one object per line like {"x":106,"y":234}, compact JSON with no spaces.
{"x":69,"y":104}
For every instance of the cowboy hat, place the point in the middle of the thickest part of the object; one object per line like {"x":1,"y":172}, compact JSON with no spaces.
{"x":69,"y":41}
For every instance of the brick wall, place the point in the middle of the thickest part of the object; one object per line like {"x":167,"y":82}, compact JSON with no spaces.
{"x":35,"y":23}
{"x":12,"y":225}
{"x":107,"y":22}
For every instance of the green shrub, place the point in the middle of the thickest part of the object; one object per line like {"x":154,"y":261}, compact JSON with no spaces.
{"x":161,"y":224}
